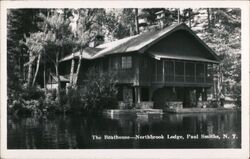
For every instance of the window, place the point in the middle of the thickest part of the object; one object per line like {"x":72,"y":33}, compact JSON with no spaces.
{"x":126,"y":62}
{"x":179,"y":71}
{"x":200,"y":72}
{"x":169,"y":70}
{"x":159,"y":65}
{"x":190,"y":72}
{"x":179,"y":68}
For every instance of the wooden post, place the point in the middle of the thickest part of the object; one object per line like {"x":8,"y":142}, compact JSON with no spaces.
{"x":174,"y":71}
{"x":184,"y":71}
{"x":138,"y":94}
{"x":163,"y":69}
{"x":156,"y":62}
{"x":150,"y":93}
{"x":195,"y":72}
{"x":204,"y":94}
{"x":205,"y":73}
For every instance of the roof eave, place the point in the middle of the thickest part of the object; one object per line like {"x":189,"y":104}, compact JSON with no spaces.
{"x":185,"y":59}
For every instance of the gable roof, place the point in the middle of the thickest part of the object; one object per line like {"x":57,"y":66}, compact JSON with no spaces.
{"x":54,"y":79}
{"x":87,"y":53}
{"x":141,"y":42}
{"x":134,"y":43}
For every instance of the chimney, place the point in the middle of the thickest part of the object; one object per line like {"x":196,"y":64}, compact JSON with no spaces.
{"x":160,"y":17}
{"x":143,"y":24}
{"x":98,"y":40}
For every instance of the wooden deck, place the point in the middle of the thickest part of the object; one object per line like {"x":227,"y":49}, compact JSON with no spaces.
{"x":135,"y":112}
{"x":200,"y":110}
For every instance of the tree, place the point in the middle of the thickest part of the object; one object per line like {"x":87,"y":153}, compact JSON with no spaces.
{"x":223,"y":34}
{"x":89,"y":25}
{"x":21,"y":22}
{"x":58,"y":37}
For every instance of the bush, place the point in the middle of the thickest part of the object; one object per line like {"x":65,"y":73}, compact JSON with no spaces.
{"x":50,"y":105}
{"x":237,"y":95}
{"x":74,"y":100}
{"x":25,"y":101}
{"x":32,"y":93}
{"x":101,"y":91}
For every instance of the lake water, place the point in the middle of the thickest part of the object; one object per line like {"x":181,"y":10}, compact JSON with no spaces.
{"x":199,"y":130}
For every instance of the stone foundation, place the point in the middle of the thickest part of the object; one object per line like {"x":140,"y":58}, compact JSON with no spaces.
{"x":125,"y":105}
{"x":144,"y":105}
{"x":174,"y":105}
{"x":203,"y":104}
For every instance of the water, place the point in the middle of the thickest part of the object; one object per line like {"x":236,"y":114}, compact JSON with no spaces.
{"x":77,"y":132}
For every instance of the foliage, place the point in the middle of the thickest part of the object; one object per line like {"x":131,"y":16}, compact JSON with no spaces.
{"x":30,"y":101}
{"x":101,"y":92}
{"x":50,"y":105}
{"x":20,"y":23}
{"x":224,"y":37}
{"x":74,"y":101}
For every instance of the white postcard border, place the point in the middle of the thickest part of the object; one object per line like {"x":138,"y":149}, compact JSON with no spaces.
{"x":128,"y":153}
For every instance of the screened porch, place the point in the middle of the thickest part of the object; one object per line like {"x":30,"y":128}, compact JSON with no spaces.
{"x":179,"y":71}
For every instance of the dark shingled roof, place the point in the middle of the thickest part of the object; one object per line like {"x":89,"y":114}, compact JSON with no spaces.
{"x":138,"y":43}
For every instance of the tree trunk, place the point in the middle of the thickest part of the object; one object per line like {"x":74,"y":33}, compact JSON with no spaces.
{"x":213,"y":17}
{"x":77,"y":71}
{"x":58,"y":79}
{"x":72,"y":70}
{"x":44,"y":76}
{"x":37,"y":69}
{"x":21,"y":66}
{"x":208,"y":18}
{"x":189,"y":17}
{"x":29,"y":70}
{"x":178,"y":12}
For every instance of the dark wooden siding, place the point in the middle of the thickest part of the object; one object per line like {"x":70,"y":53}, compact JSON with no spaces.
{"x":181,"y":44}
{"x":145,"y":69}
{"x":125,"y":75}
{"x":113,"y":63}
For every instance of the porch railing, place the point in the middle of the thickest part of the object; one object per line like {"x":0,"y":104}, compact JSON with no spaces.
{"x":181,"y":79}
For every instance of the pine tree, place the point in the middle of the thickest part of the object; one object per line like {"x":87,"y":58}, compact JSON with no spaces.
{"x":58,"y":36}
{"x":21,"y":22}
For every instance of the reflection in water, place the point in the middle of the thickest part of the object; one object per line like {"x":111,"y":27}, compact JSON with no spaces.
{"x":76,"y":132}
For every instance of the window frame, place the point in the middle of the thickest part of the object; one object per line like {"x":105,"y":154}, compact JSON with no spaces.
{"x":126,"y":62}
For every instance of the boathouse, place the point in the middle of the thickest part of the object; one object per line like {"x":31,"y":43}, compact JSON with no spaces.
{"x":171,"y":67}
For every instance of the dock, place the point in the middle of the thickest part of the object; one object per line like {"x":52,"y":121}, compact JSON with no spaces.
{"x":200,"y":110}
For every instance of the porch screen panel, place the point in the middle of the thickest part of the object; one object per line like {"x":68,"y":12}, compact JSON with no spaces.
{"x":190,"y":72}
{"x":153,"y":68}
{"x":200,"y":73}
{"x":169,"y":71}
{"x":159,"y":71}
{"x":179,"y":71}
